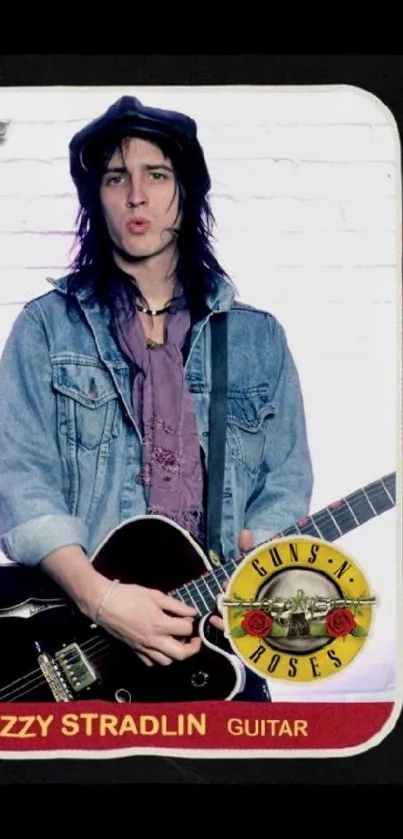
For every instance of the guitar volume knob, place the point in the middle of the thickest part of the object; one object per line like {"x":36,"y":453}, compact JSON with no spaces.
{"x":199,"y":679}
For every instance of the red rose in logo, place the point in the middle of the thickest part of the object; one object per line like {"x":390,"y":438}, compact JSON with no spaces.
{"x":258,"y":623}
{"x":340,"y":622}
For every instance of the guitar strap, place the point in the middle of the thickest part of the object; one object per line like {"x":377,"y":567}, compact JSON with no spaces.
{"x":217,"y":435}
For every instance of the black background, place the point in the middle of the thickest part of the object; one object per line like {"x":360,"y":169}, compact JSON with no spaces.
{"x":381,"y":75}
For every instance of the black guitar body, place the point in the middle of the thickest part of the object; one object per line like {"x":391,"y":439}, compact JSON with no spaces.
{"x":80,"y":660}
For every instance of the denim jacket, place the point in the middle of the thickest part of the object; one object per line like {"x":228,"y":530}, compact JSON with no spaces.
{"x":70,"y":450}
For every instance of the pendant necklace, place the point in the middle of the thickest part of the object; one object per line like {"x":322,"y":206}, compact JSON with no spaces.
{"x":152,"y":312}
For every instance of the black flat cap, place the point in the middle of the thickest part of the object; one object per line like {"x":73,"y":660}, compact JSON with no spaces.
{"x":129,"y":116}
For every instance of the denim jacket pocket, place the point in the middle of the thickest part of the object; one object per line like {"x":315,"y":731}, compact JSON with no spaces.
{"x":88,"y":411}
{"x":247,"y":414}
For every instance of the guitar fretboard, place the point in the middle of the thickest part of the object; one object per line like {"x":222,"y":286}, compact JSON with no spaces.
{"x":328,"y":524}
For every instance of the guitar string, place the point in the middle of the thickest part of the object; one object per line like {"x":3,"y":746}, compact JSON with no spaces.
{"x":98,"y":657}
{"x":38,"y":679}
{"x":343,"y":514}
{"x":343,"y":511}
{"x":35,"y":677}
{"x":322,"y":517}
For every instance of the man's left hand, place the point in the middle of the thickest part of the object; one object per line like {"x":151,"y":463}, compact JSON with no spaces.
{"x":245,"y":543}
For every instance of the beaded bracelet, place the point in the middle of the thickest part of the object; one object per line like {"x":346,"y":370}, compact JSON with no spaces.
{"x":102,"y":604}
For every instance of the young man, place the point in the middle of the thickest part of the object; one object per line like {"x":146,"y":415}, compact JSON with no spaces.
{"x":105,"y":385}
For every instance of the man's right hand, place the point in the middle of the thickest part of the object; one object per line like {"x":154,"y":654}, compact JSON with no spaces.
{"x":158,"y":627}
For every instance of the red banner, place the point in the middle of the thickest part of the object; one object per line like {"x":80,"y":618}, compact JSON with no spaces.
{"x":194,"y":728}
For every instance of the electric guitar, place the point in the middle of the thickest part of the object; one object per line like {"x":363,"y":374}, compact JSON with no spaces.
{"x":51,"y":652}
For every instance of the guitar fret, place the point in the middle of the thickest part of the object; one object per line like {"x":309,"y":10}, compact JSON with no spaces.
{"x":221,"y":577}
{"x":200,"y":583}
{"x":362,"y":506}
{"x":352,"y":512}
{"x":371,"y":505}
{"x":334,"y":520}
{"x":390,"y":480}
{"x":380,"y":499}
{"x":190,"y":600}
{"x":323,"y":521}
{"x":343,"y":516}
{"x":390,"y":496}
{"x":213,"y":583}
{"x":308,"y":528}
{"x":329,"y":523}
{"x":289,"y":532}
{"x":198,"y":599}
{"x":183,"y":594}
{"x":196,"y":585}
{"x":211,"y":593}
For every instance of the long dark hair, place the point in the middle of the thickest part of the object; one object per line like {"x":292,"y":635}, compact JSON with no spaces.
{"x":93,"y":269}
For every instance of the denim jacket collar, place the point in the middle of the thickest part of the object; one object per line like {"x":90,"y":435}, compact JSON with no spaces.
{"x":218,"y":300}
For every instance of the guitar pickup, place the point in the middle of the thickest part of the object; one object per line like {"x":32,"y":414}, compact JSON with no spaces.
{"x":75,"y":667}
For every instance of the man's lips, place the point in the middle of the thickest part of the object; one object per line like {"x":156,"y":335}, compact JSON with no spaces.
{"x":138,"y":225}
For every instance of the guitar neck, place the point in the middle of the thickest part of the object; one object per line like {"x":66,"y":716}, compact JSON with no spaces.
{"x":350,"y":512}
{"x":328,"y":524}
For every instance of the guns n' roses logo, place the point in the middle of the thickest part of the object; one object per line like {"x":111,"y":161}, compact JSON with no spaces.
{"x":297,"y":610}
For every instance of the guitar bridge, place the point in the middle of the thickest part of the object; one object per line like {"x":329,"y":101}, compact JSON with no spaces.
{"x":77,"y":670}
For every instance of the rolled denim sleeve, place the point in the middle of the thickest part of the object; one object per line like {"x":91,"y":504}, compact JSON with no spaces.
{"x":285,"y":483}
{"x":34,"y":515}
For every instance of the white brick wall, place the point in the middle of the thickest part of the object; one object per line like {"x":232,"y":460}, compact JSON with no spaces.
{"x":306,"y":195}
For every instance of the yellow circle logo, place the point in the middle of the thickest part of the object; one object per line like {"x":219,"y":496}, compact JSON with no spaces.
{"x":297,"y":609}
